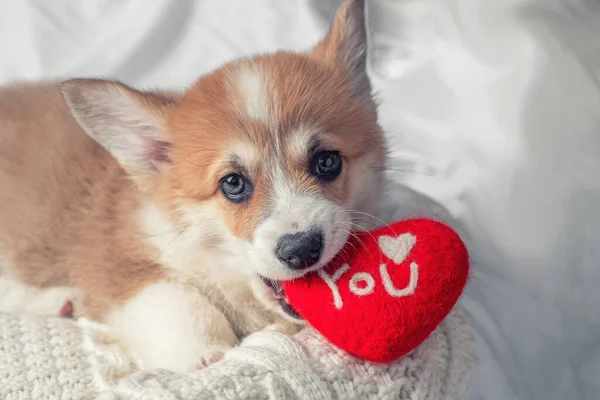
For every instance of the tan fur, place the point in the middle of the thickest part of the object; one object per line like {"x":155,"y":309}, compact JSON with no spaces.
{"x":66,"y":205}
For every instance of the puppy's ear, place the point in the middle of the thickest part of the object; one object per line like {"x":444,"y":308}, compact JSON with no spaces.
{"x":126,"y":122}
{"x":346,"y":45}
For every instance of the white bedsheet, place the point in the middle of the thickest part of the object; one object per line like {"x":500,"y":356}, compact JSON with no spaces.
{"x":493,"y":112}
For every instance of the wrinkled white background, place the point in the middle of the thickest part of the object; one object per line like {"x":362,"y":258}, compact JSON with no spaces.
{"x":493,"y":112}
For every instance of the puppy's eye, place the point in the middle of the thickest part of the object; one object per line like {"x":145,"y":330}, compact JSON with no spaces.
{"x":326,"y":165}
{"x":235,"y":187}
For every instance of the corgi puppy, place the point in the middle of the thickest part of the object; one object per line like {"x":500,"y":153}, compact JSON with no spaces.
{"x":171,"y":217}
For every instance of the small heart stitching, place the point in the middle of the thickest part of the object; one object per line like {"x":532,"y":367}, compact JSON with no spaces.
{"x":398,"y":248}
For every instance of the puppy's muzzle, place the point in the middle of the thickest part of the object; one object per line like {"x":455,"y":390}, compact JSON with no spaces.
{"x":300,"y":250}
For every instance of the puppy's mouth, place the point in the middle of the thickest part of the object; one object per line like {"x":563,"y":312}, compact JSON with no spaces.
{"x":280,"y":297}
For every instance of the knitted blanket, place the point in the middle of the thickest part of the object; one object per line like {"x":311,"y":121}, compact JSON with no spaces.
{"x":62,"y":359}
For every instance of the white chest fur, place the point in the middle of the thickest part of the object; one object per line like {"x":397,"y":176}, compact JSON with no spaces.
{"x":196,"y":254}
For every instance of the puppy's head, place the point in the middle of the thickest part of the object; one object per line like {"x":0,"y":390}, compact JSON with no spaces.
{"x":275,"y":158}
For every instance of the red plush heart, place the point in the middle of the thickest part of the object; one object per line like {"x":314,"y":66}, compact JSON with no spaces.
{"x":386,"y":291}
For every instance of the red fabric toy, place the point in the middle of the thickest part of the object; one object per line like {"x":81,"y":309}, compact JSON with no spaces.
{"x":386,"y":291}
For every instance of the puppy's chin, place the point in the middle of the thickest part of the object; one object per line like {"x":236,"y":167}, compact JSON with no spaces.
{"x":270,"y":293}
{"x":267,"y":288}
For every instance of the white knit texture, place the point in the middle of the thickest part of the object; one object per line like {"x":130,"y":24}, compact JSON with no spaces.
{"x":60,"y":359}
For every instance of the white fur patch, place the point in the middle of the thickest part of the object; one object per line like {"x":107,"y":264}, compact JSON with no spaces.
{"x":298,"y":141}
{"x":178,"y":245}
{"x":171,"y":325}
{"x":189,"y":249}
{"x":294,"y":211}
{"x":201,"y":249}
{"x":252,"y":87}
{"x":248,"y":155}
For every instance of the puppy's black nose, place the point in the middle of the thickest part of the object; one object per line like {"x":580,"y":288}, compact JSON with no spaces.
{"x":300,"y":250}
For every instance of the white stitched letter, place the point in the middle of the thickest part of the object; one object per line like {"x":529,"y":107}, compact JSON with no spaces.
{"x":389,"y":285}
{"x":362,"y":277}
{"x":331,"y":280}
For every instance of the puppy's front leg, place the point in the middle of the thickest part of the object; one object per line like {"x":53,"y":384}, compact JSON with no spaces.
{"x":171,"y":325}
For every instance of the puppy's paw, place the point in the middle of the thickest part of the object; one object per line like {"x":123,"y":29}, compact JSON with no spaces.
{"x":212,"y":355}
{"x":66,"y":310}
{"x":20,"y":298}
